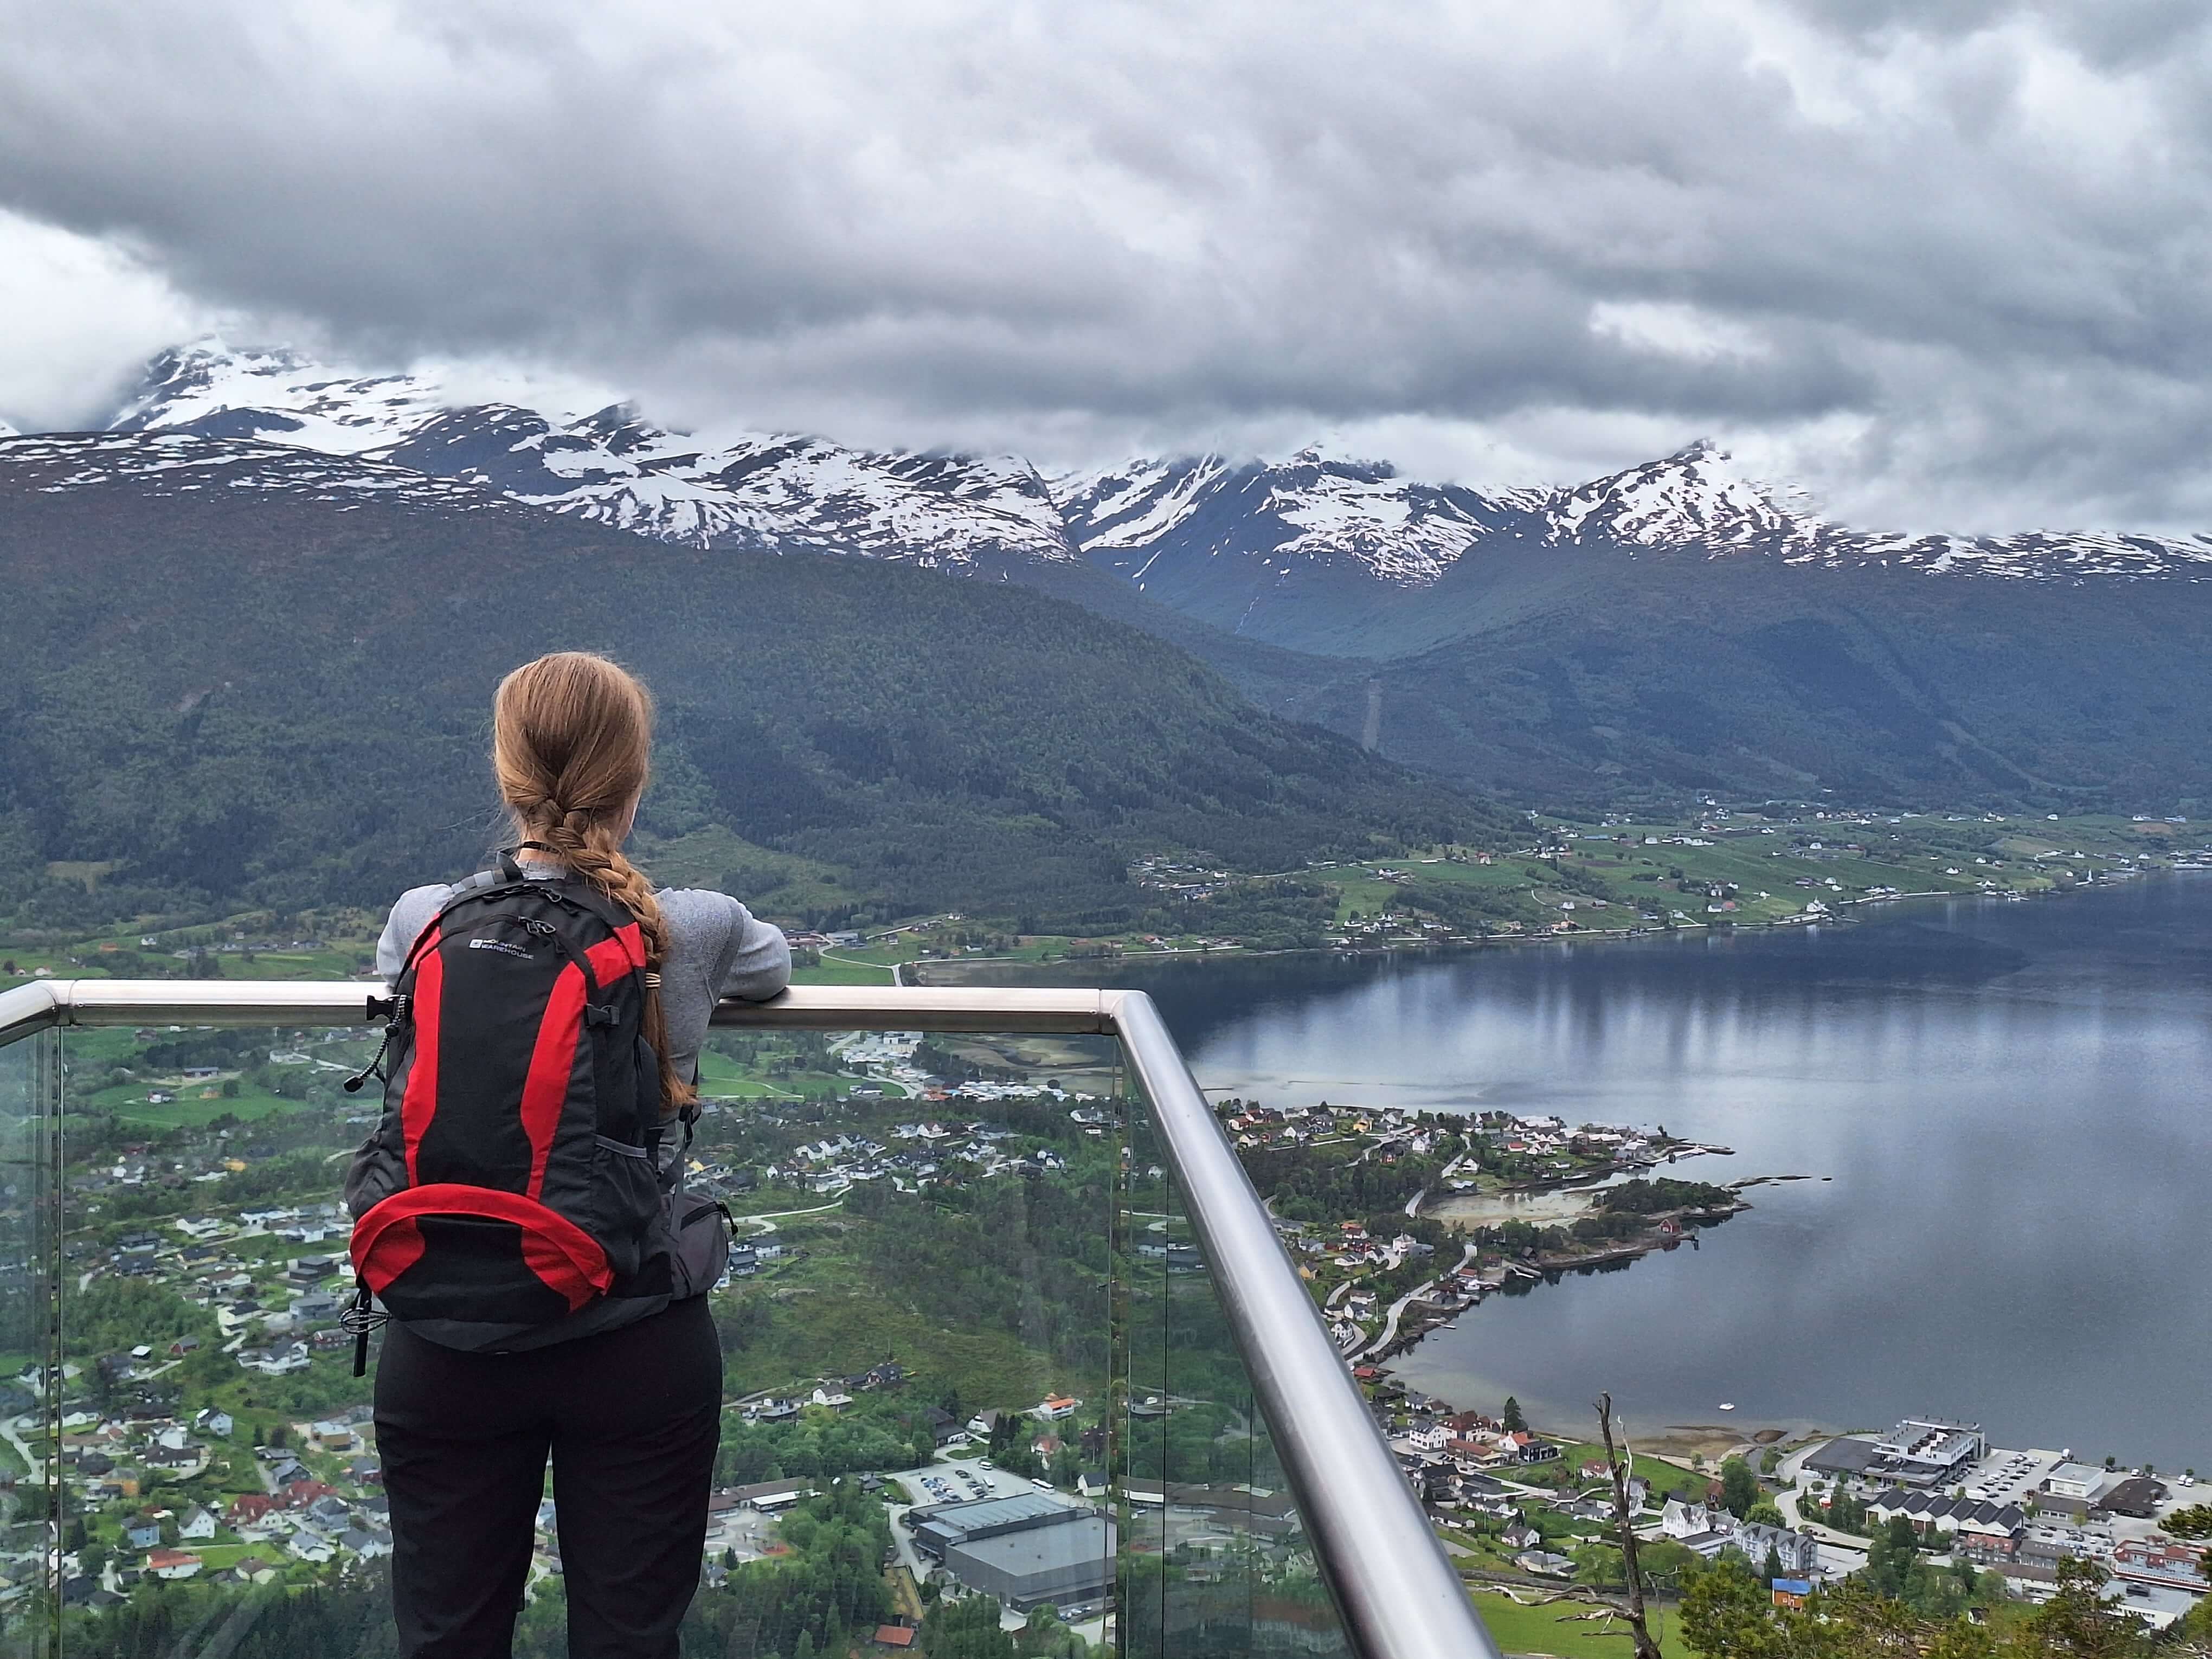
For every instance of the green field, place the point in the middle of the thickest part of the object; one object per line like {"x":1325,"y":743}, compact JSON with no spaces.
{"x":1663,"y":1476}
{"x":845,"y":968}
{"x":195,"y":1112}
{"x":1554,"y":1629}
{"x":769,"y":1077}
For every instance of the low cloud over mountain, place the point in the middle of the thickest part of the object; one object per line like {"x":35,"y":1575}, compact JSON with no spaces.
{"x":1939,"y":261}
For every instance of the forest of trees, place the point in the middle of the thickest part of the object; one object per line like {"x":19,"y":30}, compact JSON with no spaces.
{"x":1655,"y":1196}
{"x":817,"y":1600}
{"x":1890,"y":1612}
{"x":1317,"y":1184}
{"x":1026,"y":1257}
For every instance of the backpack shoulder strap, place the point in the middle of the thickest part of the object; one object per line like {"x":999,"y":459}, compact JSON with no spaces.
{"x":467,"y":887}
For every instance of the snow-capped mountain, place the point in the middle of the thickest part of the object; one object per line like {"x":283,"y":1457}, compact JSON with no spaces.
{"x":1696,"y":500}
{"x":211,"y":389}
{"x":1693,"y":498}
{"x":1205,"y":534}
{"x":1310,"y":510}
{"x":1679,"y":624}
{"x":791,"y":493}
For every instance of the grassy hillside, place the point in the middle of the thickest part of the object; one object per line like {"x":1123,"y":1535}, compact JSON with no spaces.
{"x":284,"y":701}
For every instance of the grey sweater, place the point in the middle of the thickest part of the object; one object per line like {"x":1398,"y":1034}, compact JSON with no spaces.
{"x":717,"y":948}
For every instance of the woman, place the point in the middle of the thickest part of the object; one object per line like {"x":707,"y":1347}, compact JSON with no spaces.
{"x":628,"y":1412}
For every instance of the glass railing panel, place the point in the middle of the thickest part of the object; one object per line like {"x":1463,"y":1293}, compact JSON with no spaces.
{"x":1219,"y":1562}
{"x":928,"y":1218}
{"x":914,"y":1327}
{"x":33,"y":1518}
{"x":217,"y":1447}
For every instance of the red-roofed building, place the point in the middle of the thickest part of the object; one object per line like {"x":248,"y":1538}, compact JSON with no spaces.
{"x":171,"y":1564}
{"x":249,"y":1507}
{"x":895,"y":1636}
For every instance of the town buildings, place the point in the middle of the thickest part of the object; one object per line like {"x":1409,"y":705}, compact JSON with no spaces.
{"x":1709,"y":1531}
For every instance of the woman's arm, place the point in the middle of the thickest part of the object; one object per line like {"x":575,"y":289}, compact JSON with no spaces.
{"x":756,"y":961}
{"x":410,"y":917}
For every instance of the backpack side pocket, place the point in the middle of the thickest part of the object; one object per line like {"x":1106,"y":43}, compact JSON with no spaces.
{"x":699,"y":1230}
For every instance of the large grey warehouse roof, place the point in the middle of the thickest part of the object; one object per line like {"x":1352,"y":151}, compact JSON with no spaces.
{"x":1071,"y":1561}
{"x":961,"y":1519}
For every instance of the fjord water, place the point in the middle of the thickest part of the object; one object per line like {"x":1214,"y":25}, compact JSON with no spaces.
{"x":2012,"y":1105}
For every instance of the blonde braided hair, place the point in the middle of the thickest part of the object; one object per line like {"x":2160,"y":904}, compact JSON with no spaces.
{"x":572,"y":747}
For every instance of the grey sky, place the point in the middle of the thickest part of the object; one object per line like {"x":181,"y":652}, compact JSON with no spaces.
{"x":1943,"y":260}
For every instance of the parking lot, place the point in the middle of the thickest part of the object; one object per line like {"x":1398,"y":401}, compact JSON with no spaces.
{"x":745,"y":1531}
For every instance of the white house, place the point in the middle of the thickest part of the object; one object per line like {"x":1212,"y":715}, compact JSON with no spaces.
{"x":2074,"y":1480}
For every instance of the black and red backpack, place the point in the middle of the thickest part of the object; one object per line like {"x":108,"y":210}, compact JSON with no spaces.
{"x":515,"y":1179}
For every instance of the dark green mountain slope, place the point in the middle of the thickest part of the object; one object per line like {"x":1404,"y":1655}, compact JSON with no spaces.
{"x":1612,"y":675}
{"x":231,"y":691}
{"x":1272,"y":675}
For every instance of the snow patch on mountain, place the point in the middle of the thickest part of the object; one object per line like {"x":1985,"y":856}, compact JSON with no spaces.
{"x":2031,"y":554}
{"x":1135,"y":505}
{"x":185,"y":463}
{"x":1403,"y":532}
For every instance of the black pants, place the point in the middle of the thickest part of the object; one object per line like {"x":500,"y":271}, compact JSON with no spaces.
{"x":631,"y":1419}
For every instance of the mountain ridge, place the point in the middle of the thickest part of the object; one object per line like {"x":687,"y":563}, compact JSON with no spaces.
{"x":1310,"y":513}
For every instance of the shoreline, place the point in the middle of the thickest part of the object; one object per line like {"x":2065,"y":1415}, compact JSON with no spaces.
{"x":1550,"y":1268}
{"x":910,"y":973}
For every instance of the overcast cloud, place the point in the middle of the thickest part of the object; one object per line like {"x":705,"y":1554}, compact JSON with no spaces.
{"x":1945,"y":261}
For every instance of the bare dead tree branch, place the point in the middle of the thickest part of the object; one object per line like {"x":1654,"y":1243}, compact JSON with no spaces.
{"x":1624,"y":1521}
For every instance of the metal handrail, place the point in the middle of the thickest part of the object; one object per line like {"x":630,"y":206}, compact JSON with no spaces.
{"x":1400,"y":1596}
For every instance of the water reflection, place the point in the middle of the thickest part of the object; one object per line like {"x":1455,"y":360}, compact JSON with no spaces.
{"x":2009,"y":1102}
